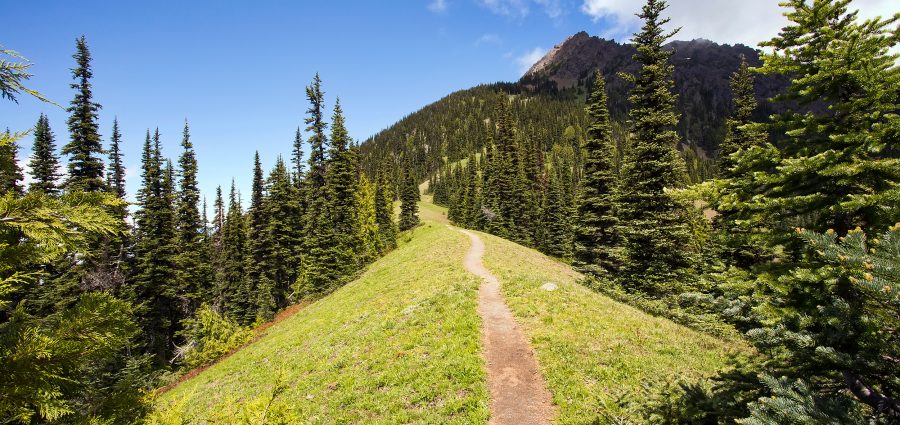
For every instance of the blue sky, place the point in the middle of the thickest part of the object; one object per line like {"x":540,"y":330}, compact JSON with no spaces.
{"x":237,"y":70}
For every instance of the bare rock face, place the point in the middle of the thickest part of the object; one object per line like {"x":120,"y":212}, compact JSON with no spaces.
{"x":572,"y":60}
{"x":702,"y":72}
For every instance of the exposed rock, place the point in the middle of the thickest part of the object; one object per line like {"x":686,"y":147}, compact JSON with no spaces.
{"x":549,"y":286}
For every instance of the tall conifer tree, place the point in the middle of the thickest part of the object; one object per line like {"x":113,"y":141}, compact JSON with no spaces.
{"x":44,"y":162}
{"x":409,"y":195}
{"x":193,"y":272}
{"x":283,"y":233}
{"x":258,"y":246}
{"x":84,"y":147}
{"x":115,"y":176}
{"x":384,"y":212}
{"x":596,"y":236}
{"x":656,"y":235}
{"x":341,"y":183}
{"x":156,"y":289}
{"x":10,"y":172}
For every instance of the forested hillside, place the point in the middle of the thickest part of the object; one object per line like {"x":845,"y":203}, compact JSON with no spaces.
{"x":101,"y":304}
{"x":550,"y":97}
{"x":789,"y":237}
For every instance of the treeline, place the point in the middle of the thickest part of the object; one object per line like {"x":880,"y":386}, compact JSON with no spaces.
{"x":793,"y":245}
{"x":98,"y":306}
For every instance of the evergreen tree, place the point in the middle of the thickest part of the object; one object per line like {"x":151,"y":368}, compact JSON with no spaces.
{"x":472,"y":199}
{"x":384,"y":212}
{"x":596,"y":238}
{"x":10,"y":172}
{"x":837,"y":174}
{"x":192,"y":271}
{"x":317,"y":271}
{"x":557,"y":240}
{"x":740,"y":132}
{"x":258,"y":247}
{"x":84,"y":147}
{"x":44,"y":163}
{"x":283,"y":232}
{"x":341,"y":183}
{"x":655,"y":234}
{"x":238,"y":302}
{"x":156,"y":290}
{"x":409,"y":198}
{"x":297,"y":159}
{"x":366,"y":225}
{"x":512,"y":190}
{"x":115,"y":176}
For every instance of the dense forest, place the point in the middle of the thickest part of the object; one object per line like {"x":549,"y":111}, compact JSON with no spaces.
{"x":101,"y":303}
{"x":790,"y":239}
{"x":787,"y":238}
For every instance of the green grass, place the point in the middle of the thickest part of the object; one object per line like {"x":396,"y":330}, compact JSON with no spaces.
{"x":399,"y":345}
{"x":402,"y":345}
{"x":600,"y":358}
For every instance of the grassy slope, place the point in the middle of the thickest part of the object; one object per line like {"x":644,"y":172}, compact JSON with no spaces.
{"x":401,"y":344}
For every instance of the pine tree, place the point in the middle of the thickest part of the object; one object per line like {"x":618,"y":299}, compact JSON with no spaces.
{"x":193,"y":272}
{"x":557,"y":240}
{"x":596,"y":238}
{"x":836,"y":174}
{"x":115,"y":176}
{"x":155,"y":284}
{"x":283,"y":232}
{"x":740,"y":132}
{"x":512,"y":190}
{"x":84,"y":147}
{"x":239,"y":304}
{"x":297,"y":159}
{"x":341,"y":183}
{"x":366,"y":225}
{"x":384,"y":212}
{"x":259,"y":246}
{"x":44,"y":163}
{"x":655,"y":235}
{"x":409,"y":197}
{"x":10,"y":172}
{"x":317,"y":271}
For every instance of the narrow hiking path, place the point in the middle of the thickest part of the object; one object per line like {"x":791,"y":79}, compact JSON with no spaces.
{"x":519,"y":394}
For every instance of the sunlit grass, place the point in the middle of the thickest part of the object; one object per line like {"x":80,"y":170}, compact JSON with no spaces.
{"x":600,"y":358}
{"x":399,"y":345}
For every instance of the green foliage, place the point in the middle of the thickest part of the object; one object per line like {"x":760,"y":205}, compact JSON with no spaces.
{"x":156,"y":288}
{"x":115,"y":176}
{"x":596,"y":238}
{"x":210,"y":336}
{"x":409,"y":198}
{"x":192,"y":270}
{"x":84,"y":148}
{"x":10,"y":172}
{"x":283,"y":233}
{"x":13,"y":72}
{"x":384,"y":213}
{"x":47,"y":362}
{"x":44,"y":163}
{"x":650,"y":220}
{"x":794,"y":402}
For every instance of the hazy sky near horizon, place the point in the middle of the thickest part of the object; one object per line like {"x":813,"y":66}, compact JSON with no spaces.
{"x":236,"y":70}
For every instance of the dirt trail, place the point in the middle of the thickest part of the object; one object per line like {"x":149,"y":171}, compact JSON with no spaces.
{"x":519,"y":394}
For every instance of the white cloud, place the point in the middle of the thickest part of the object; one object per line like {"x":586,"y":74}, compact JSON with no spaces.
{"x":489,"y":39}
{"x":437,"y":6}
{"x":723,"y":21}
{"x":528,"y":59}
